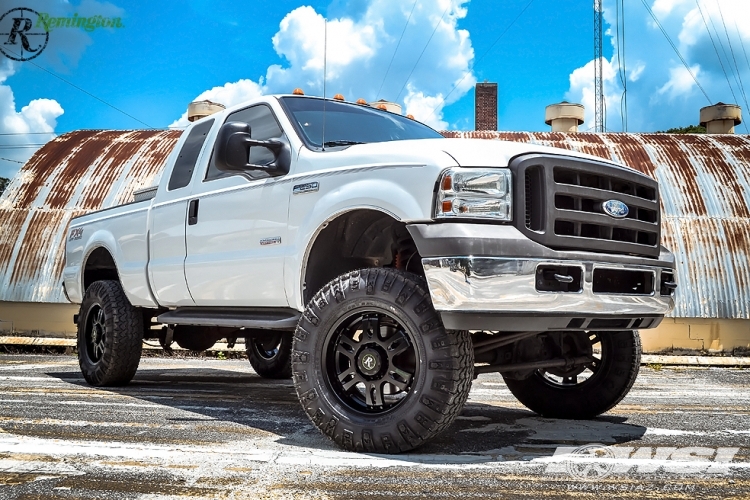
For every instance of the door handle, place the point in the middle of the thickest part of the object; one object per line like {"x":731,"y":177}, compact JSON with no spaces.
{"x":193,"y":212}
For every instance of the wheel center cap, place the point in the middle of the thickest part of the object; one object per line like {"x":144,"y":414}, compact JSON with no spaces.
{"x":369,"y":362}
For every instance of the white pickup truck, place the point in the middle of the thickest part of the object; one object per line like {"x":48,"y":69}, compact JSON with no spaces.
{"x":380,"y":265}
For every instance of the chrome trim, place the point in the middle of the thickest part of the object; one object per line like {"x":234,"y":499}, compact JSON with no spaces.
{"x":503,"y":285}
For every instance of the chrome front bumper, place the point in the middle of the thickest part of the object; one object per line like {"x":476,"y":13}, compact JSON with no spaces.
{"x":500,"y":294}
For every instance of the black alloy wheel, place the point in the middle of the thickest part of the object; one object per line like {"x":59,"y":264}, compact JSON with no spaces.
{"x":370,"y":361}
{"x":269,"y":354}
{"x":110,"y":335}
{"x":586,"y":390}
{"x":96,"y":333}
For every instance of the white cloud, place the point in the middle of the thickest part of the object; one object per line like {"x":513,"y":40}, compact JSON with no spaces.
{"x":661,"y":93}
{"x":680,"y":81}
{"x":582,"y":92}
{"x":429,"y":109}
{"x":360,"y":48}
{"x":40,"y":115}
{"x":635,"y":73}
{"x":227,"y":94}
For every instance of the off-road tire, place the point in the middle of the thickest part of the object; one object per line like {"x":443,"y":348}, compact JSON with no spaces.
{"x":621,"y":359}
{"x":443,"y":370}
{"x":115,"y":360}
{"x":276,"y":366}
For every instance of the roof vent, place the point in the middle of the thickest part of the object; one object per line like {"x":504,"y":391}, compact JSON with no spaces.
{"x":388,"y":106}
{"x":721,"y":118}
{"x":201,"y":109}
{"x":564,"y":117}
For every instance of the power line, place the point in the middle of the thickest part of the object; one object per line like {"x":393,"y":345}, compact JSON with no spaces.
{"x":476,"y":63}
{"x":423,"y":51}
{"x":600,"y":116}
{"x":24,"y":146}
{"x":718,"y":56}
{"x":84,"y":91}
{"x":741,"y":44}
{"x":397,"y":46}
{"x":9,"y":159}
{"x":620,"y":35}
{"x":731,"y":49}
{"x":676,"y":50}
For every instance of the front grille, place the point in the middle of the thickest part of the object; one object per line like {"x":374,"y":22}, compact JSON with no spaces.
{"x":564,"y":198}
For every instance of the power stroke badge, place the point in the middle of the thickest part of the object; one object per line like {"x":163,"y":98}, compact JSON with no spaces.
{"x":21,"y":37}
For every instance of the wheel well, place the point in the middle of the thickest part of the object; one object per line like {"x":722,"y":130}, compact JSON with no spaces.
{"x":99,"y":266}
{"x":356,"y":240}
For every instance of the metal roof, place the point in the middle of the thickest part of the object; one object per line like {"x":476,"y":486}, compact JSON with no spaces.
{"x":73,"y":174}
{"x":705,"y":194}
{"x":704,"y":180}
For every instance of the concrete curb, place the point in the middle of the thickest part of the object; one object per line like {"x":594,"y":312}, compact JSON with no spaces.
{"x":646,"y":359}
{"x":657,"y":359}
{"x":152,"y":345}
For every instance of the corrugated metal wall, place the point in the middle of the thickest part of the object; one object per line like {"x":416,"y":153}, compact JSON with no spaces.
{"x":705,"y":194}
{"x":705,"y":190}
{"x":73,"y":174}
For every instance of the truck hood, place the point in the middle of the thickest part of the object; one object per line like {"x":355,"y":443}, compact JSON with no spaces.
{"x":466,"y":152}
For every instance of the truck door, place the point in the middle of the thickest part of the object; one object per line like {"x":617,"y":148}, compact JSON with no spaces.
{"x":167,"y":224}
{"x":237,"y":227}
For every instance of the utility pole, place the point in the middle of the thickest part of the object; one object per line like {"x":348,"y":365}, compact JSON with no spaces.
{"x":599,"y":118}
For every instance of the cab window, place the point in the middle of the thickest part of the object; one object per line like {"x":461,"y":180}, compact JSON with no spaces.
{"x":185,"y":163}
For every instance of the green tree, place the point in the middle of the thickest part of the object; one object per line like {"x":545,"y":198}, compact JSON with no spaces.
{"x":690,"y":129}
{"x":3,"y":184}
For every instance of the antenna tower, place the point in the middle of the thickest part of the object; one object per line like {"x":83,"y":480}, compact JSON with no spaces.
{"x":599,"y":118}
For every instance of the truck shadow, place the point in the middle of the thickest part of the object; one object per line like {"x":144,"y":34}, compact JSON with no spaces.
{"x":224,"y":405}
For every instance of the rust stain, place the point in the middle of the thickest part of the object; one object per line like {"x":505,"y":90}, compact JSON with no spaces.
{"x":73,"y":174}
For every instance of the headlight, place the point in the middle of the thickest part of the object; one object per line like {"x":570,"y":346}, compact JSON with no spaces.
{"x":475,"y":193}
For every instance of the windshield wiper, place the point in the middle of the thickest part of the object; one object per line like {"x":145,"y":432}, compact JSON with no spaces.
{"x":333,"y":144}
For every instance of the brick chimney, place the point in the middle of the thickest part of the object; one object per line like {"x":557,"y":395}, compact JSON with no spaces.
{"x":485,"y":106}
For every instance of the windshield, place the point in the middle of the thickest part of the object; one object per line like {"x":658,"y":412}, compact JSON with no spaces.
{"x":347,"y":124}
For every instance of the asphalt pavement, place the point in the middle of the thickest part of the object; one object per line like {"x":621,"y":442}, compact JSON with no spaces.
{"x":208,"y":428}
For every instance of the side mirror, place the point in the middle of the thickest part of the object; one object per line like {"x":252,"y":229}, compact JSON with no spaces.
{"x":232,"y":151}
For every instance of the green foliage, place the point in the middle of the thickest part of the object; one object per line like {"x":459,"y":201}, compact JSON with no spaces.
{"x":690,"y":129}
{"x":3,"y":184}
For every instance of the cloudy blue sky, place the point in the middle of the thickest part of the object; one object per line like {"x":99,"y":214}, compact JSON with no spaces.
{"x":426,"y":54}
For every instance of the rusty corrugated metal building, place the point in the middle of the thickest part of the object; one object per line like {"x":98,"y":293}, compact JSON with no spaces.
{"x":75,"y":173}
{"x":704,"y":179}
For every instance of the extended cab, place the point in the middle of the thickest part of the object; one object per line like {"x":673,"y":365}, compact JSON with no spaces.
{"x":380,"y":265}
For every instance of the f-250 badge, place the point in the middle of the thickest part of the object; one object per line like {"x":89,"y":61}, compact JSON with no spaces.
{"x":310,"y":187}
{"x":76,"y":233}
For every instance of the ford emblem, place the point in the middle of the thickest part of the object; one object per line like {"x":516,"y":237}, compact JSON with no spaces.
{"x":615,"y":208}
